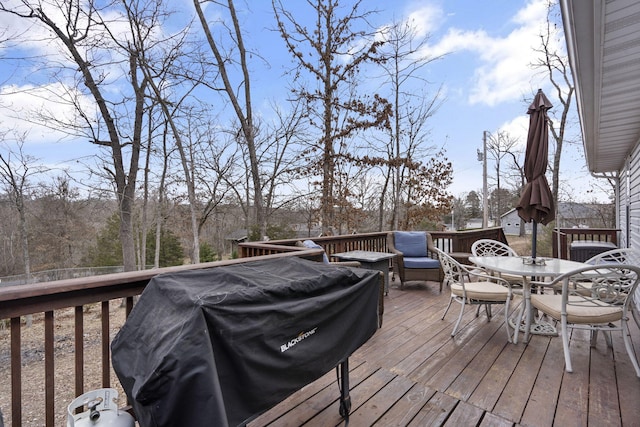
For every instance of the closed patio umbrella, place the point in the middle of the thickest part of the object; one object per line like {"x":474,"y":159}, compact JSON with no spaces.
{"x":536,"y":201}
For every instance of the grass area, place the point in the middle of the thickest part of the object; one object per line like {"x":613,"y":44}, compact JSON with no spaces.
{"x":522,"y":245}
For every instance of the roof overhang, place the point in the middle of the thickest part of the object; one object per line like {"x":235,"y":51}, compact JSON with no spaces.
{"x":603,"y":43}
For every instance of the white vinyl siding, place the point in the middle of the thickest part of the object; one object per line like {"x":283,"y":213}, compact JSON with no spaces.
{"x":633,"y":202}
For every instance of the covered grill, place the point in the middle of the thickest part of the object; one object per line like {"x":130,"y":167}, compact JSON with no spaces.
{"x":220,"y":346}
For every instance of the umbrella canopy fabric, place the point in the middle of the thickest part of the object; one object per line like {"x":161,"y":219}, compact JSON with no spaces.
{"x":536,"y":201}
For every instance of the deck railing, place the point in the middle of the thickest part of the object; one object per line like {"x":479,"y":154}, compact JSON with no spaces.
{"x":448,"y":241}
{"x":563,"y":237}
{"x":47,"y":298}
{"x":44,"y":299}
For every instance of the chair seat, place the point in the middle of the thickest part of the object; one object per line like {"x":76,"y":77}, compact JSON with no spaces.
{"x":484,"y":291}
{"x":589,"y":313}
{"x":421,"y":262}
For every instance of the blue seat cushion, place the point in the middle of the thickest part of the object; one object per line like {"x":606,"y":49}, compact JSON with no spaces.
{"x":421,"y":262}
{"x":411,"y":243}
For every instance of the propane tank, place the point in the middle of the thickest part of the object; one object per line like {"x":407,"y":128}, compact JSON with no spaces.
{"x":102,"y":410}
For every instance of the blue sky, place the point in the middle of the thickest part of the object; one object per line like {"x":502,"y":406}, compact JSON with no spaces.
{"x":486,"y":78}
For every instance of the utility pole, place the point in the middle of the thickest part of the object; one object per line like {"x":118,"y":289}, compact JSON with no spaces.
{"x":485,"y":196}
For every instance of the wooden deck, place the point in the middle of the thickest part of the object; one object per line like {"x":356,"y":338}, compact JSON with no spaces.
{"x":412,"y":373}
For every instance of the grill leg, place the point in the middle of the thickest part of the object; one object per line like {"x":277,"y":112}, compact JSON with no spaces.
{"x":345,"y":399}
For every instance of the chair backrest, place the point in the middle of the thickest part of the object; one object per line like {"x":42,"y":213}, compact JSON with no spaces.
{"x":411,"y":243}
{"x":612,"y":284}
{"x":489,"y":247}
{"x":614,"y":256}
{"x":453,"y":271}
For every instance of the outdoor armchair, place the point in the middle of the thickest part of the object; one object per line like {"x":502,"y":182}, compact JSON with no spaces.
{"x":415,"y":258}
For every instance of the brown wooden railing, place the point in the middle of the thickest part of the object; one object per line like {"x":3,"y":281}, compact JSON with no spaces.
{"x":563,"y":237}
{"x":448,"y":241}
{"x":47,"y":298}
{"x":461,"y":241}
{"x":330,"y":244}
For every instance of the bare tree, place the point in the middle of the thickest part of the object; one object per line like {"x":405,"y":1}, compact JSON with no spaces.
{"x":215,"y":163}
{"x":555,"y":63}
{"x":159,"y":63}
{"x":60,"y":220}
{"x":498,"y":147}
{"x":160,"y":212}
{"x":336,"y":110}
{"x":458,"y":213}
{"x":80,"y":29}
{"x":242,"y":104}
{"x":412,"y":107}
{"x":279,"y":153}
{"x":517,"y":177}
{"x":16,"y":169}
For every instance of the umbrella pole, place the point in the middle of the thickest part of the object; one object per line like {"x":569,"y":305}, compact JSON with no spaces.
{"x":534,"y":239}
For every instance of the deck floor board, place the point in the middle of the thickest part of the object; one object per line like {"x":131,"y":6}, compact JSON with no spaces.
{"x":413,"y":373}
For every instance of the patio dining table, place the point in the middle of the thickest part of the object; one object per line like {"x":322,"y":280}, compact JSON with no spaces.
{"x":550,"y":268}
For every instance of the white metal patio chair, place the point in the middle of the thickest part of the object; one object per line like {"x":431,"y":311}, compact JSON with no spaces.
{"x":483,"y":290}
{"x":614,"y":256}
{"x":489,"y":247}
{"x":605,"y":308}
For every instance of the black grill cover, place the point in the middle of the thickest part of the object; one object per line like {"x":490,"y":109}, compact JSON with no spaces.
{"x":219,"y":346}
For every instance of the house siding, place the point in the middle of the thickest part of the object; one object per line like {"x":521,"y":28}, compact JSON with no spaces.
{"x":623,"y":207}
{"x":510,"y":223}
{"x":629,"y":209}
{"x":630,"y":201}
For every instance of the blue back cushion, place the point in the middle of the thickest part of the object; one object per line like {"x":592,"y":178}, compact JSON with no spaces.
{"x":313,"y":245}
{"x":411,"y":243}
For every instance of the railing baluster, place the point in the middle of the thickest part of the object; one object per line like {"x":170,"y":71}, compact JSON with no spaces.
{"x":79,"y":349}
{"x":128,"y":306}
{"x":16,"y":373}
{"x":49,"y":372}
{"x":106,"y":363}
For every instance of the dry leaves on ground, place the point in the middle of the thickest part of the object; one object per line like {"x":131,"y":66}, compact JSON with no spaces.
{"x":32,"y":340}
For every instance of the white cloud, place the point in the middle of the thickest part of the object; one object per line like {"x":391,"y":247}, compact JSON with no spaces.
{"x":23,"y":106}
{"x":504,"y":72}
{"x":457,"y":40}
{"x":425,"y":19}
{"x":517,"y":129}
{"x":29,"y":34}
